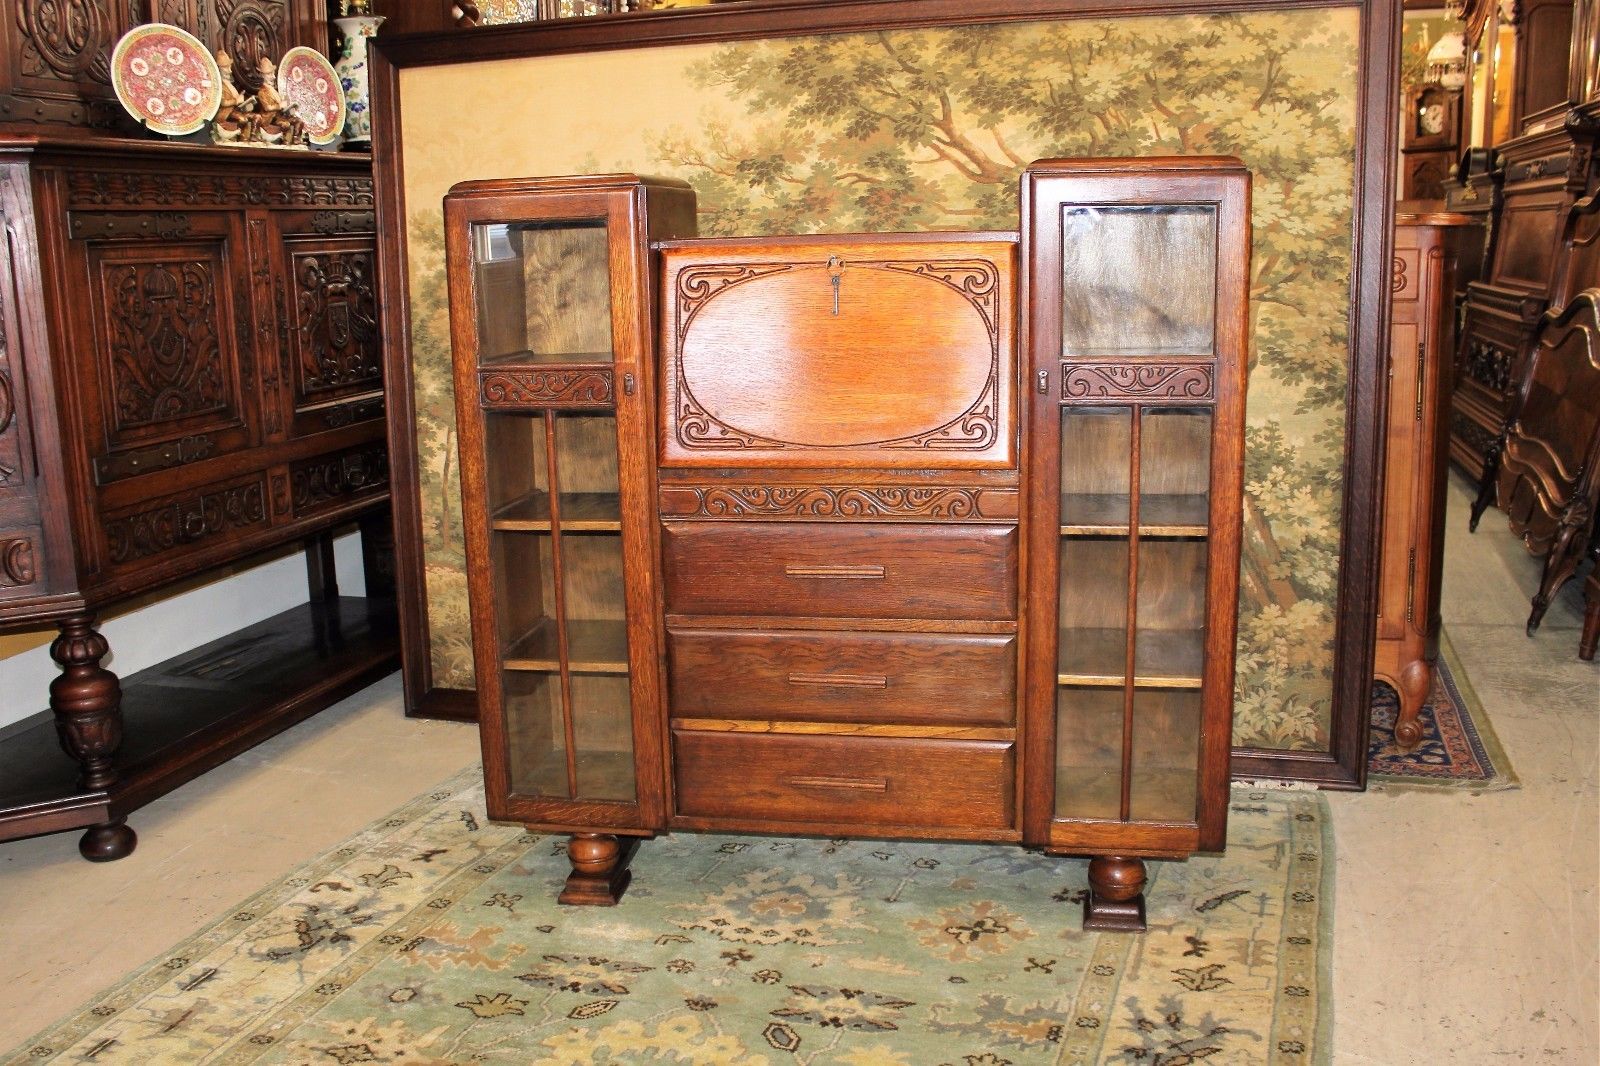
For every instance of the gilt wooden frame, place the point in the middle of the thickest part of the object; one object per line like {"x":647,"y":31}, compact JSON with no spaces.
{"x":1344,"y":765}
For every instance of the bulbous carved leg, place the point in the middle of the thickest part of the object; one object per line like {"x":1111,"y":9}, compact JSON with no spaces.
{"x":600,"y":873}
{"x":1116,"y":895}
{"x":87,"y":701}
{"x":1416,"y":681}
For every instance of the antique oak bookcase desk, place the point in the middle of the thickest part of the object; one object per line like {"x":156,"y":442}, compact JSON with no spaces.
{"x":904,"y":535}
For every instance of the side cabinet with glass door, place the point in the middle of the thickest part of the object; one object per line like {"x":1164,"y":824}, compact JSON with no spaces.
{"x":552,"y":378}
{"x":1136,"y":336}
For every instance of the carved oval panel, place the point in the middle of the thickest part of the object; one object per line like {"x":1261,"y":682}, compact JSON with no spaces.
{"x":769,"y":359}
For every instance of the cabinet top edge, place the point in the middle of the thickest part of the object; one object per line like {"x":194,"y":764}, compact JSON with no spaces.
{"x":562,"y":183}
{"x":118,"y":148}
{"x":1135,"y":165}
{"x":777,"y":241}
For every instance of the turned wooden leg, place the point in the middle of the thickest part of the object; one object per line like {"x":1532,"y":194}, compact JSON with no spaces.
{"x":1116,"y":895}
{"x":1486,"y":484}
{"x":1416,"y":681}
{"x":1591,"y":616}
{"x":600,"y":873}
{"x":87,"y":701}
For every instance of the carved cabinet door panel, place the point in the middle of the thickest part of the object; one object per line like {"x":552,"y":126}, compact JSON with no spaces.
{"x":249,"y":30}
{"x":58,"y":55}
{"x":169,"y":352}
{"x":325,"y":298}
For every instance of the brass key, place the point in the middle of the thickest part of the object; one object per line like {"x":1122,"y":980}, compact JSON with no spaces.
{"x":835,"y":275}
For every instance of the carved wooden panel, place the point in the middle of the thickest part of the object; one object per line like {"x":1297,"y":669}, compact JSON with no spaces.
{"x":526,"y":390}
{"x":841,"y":502}
{"x":17,"y":563}
{"x":799,"y":356}
{"x":171,"y":372}
{"x":183,"y":520}
{"x":104,"y":187}
{"x":327,"y":300}
{"x":1168,"y":383}
{"x":335,"y":480}
{"x":58,"y":59}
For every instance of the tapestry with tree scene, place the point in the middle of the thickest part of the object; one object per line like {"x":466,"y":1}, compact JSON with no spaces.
{"x":929,"y":129}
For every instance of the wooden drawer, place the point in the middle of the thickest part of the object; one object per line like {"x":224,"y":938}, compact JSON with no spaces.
{"x":853,"y":781}
{"x":842,"y":677}
{"x":813,"y":569}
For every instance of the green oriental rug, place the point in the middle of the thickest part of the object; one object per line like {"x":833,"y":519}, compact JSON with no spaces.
{"x":433,"y":937}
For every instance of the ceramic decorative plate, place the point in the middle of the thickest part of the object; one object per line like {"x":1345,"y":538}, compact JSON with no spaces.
{"x":166,"y":79}
{"x":307,"y":83}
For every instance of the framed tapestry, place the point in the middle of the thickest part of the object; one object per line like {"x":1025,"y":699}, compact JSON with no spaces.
{"x":835,"y":116}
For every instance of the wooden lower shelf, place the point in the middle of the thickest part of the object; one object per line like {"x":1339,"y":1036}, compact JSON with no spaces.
{"x":1163,"y":658}
{"x":1085,"y":514}
{"x":198,"y":710}
{"x":593,"y":647}
{"x":581,"y":512}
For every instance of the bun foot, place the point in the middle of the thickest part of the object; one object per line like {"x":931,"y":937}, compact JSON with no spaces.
{"x":109,"y":842}
{"x":1116,"y":895}
{"x":600,"y":873}
{"x":1416,"y":681}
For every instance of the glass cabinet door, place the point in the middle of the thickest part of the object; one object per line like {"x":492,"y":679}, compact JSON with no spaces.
{"x":1135,"y":335}
{"x":555,"y":489}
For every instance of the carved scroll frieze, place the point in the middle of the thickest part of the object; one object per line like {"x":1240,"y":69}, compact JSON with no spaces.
{"x":108,"y":187}
{"x":337,"y":312}
{"x":184,"y":521}
{"x":337,"y":478}
{"x":975,"y":279}
{"x":699,"y":284}
{"x":166,"y":359}
{"x":164,"y":456}
{"x":1475,"y":436}
{"x":16,"y":562}
{"x":845,"y":502}
{"x":1168,"y":382}
{"x":515,"y":390}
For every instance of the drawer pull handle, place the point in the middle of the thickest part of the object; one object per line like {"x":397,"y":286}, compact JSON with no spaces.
{"x":848,"y":784}
{"x":860,"y":573}
{"x":844,"y":680}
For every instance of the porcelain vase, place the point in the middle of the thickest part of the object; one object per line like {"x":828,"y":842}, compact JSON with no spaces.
{"x":352,"y":70}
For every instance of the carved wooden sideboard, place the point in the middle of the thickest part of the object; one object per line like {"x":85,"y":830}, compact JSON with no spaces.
{"x":190,"y":374}
{"x":55,"y":56}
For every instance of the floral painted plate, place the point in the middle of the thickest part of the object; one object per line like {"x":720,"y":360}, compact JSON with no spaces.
{"x":166,"y":79}
{"x":307,"y":83}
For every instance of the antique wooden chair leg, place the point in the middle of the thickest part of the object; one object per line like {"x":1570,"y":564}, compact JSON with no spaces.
{"x":1116,"y":895}
{"x":1591,"y":614}
{"x":87,"y":701}
{"x":1486,"y":484}
{"x":600,"y":873}
{"x":1559,"y":565}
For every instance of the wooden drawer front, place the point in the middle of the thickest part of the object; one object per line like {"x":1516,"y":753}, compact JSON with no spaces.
{"x":854,"y":781}
{"x":842,"y":677}
{"x":813,"y":569}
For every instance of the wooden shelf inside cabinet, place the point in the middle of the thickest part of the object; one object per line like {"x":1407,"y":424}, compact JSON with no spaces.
{"x":1085,"y":514}
{"x":581,"y":512}
{"x":593,"y":647}
{"x":1162,"y":658}
{"x":532,"y":358}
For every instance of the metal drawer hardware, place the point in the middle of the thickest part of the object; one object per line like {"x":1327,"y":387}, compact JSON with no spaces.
{"x":863,"y":573}
{"x":836,"y":276}
{"x":842,"y":680}
{"x":849,"y":784}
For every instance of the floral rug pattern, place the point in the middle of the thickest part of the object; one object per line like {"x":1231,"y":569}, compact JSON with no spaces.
{"x":433,"y":937}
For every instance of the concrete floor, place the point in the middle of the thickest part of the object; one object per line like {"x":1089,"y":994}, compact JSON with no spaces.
{"x":1466,"y":927}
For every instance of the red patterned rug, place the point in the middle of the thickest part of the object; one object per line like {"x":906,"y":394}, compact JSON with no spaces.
{"x":1458,"y":749}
